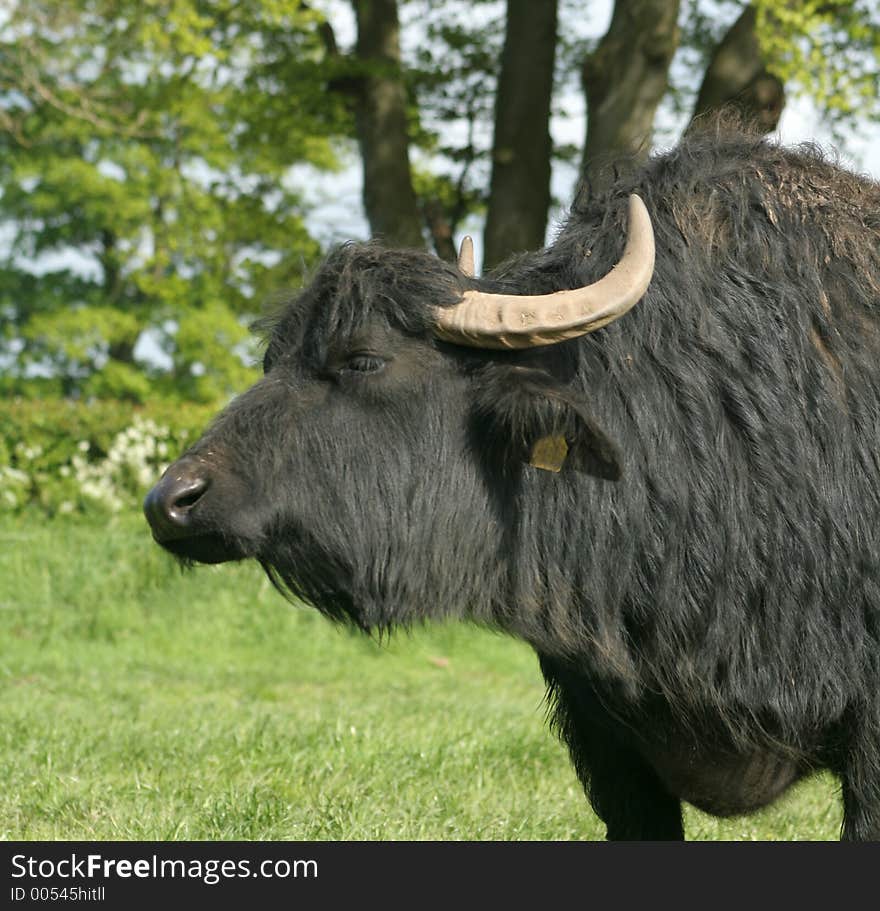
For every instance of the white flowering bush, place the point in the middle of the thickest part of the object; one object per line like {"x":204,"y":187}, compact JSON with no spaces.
{"x":14,"y":486}
{"x":63,"y":457}
{"x":135,"y":460}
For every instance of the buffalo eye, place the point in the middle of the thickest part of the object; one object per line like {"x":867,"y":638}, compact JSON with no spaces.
{"x":363,"y":363}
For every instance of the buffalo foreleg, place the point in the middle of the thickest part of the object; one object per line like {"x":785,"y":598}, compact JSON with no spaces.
{"x":859,"y":773}
{"x":632,"y":802}
{"x":623,"y":790}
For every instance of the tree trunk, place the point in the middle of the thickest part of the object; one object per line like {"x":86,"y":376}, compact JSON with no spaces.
{"x":737,"y":78}
{"x":109,"y":259}
{"x":389,"y":197}
{"x":519,"y":194}
{"x":625,"y":79}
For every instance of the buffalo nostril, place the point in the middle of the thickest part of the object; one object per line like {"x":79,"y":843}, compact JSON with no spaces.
{"x":169,"y":505}
{"x":188,"y":494}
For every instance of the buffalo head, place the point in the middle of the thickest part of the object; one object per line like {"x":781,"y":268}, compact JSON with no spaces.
{"x":369,"y":470}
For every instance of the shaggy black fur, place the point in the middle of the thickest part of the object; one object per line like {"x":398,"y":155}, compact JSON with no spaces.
{"x":708,"y":624}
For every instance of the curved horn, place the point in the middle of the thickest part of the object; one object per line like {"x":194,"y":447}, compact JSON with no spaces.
{"x":466,"y":256}
{"x":484,"y":320}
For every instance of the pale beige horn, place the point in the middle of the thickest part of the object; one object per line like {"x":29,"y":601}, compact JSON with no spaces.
{"x":484,"y":320}
{"x":466,"y":256}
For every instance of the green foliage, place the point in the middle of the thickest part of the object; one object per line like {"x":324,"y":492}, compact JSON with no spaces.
{"x":60,"y":456}
{"x":828,"y":49}
{"x":143,"y":147}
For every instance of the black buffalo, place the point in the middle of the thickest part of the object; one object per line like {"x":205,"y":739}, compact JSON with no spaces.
{"x":680,"y":511}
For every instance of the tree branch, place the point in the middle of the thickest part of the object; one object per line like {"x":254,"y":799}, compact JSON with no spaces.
{"x":625,"y":79}
{"x":737,"y":77}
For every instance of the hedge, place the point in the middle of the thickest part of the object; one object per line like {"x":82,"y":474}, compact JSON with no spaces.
{"x":62,"y":456}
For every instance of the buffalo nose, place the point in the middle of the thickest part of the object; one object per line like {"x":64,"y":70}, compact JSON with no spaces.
{"x":169,"y":505}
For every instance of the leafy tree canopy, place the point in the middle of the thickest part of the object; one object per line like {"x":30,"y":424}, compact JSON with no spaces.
{"x":142,"y":158}
{"x":146,"y":208}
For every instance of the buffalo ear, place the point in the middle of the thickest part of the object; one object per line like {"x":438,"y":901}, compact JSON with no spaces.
{"x":532,"y":418}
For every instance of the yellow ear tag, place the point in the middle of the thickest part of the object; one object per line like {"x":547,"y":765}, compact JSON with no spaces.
{"x":549,"y":453}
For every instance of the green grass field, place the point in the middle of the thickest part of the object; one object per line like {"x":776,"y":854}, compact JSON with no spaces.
{"x":140,"y":702}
